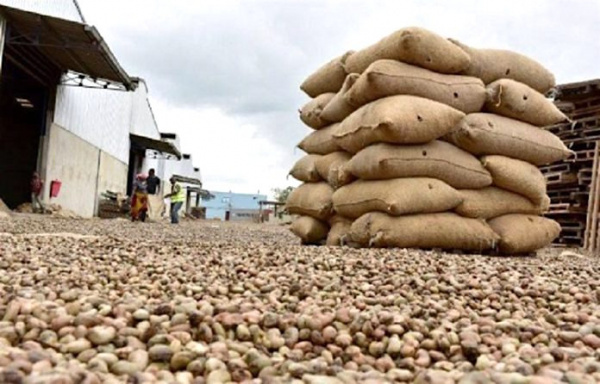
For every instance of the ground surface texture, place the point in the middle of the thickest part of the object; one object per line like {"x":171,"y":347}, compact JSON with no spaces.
{"x":91,"y":301}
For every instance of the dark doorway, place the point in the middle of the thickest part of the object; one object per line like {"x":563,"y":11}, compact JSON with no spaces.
{"x":136,"y":158}
{"x":23,"y":103}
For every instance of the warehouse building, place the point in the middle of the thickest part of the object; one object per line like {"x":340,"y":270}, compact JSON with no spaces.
{"x":229,"y":206}
{"x":70,"y":111}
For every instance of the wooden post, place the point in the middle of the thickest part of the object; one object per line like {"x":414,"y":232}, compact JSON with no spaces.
{"x":593,"y":212}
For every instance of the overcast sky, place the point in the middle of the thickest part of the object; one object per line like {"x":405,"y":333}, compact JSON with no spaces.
{"x":225,"y":75}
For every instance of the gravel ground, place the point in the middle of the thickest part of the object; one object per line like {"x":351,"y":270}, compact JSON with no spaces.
{"x":91,"y":301}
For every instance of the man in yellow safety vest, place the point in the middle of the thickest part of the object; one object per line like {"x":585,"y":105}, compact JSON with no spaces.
{"x":177,"y":197}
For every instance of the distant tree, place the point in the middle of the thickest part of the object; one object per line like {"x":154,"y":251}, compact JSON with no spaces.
{"x":281,"y":195}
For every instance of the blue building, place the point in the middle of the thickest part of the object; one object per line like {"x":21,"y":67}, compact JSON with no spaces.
{"x":229,"y":206}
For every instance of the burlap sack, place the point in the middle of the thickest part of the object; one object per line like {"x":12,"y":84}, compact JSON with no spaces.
{"x":389,"y":77}
{"x":395,"y":197}
{"x":492,"y":64}
{"x":305,"y":169}
{"x":412,"y":45}
{"x":437,"y":159}
{"x":524,"y":233}
{"x":518,"y":101}
{"x":339,"y":108}
{"x":434,"y":230}
{"x":489,"y":134}
{"x":340,"y":175}
{"x":309,"y":230}
{"x":321,"y":142}
{"x":156,"y":207}
{"x":328,"y":78}
{"x":340,"y":229}
{"x":310,"y":113}
{"x":516,"y":176}
{"x":490,"y":202}
{"x":325,"y":163}
{"x":311,"y":199}
{"x":396,"y":119}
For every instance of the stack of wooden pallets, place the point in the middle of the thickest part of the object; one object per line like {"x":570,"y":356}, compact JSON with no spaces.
{"x":571,"y":182}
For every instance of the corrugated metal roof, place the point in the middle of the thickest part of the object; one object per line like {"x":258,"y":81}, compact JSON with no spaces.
{"x":69,"y":45}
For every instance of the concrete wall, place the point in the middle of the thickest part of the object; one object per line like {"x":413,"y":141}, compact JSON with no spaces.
{"x":74,"y":162}
{"x":112,"y":174}
{"x":84,"y":170}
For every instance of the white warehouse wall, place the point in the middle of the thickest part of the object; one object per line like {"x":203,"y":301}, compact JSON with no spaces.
{"x":100,"y":117}
{"x":64,"y":9}
{"x":143,"y":122}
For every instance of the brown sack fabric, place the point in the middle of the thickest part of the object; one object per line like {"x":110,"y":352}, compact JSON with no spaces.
{"x":333,"y":161}
{"x":518,"y":101}
{"x":524,"y":233}
{"x":396,"y":119}
{"x":395,"y":197}
{"x":389,"y":77}
{"x":312,"y":199}
{"x":434,"y":230}
{"x":415,"y":46}
{"x":310,"y":114}
{"x":328,"y":78}
{"x":516,"y":176}
{"x":339,"y":108}
{"x":309,"y":230}
{"x":437,"y":159}
{"x":493,"y":64}
{"x":340,"y":229}
{"x":321,"y":142}
{"x":490,"y":202}
{"x":489,"y":134}
{"x":305,"y":169}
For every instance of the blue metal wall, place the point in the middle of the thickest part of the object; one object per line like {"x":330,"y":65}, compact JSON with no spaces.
{"x":227,"y":201}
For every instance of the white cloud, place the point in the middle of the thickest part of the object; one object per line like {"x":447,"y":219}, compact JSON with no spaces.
{"x":227,"y":73}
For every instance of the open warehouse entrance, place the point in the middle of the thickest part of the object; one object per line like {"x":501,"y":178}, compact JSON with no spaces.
{"x":27,"y":82}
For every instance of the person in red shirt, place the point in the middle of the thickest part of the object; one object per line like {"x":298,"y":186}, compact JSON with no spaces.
{"x":37,"y":186}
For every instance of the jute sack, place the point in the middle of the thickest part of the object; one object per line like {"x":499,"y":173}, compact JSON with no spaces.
{"x":310,"y":113}
{"x":325,"y":163}
{"x":492,"y":64}
{"x":395,"y":197}
{"x":339,"y":108}
{"x":489,"y":134}
{"x":524,"y":233}
{"x":305,"y":169}
{"x":412,"y":45}
{"x":328,"y":78}
{"x":518,"y":101}
{"x":309,"y":230}
{"x":437,"y":159}
{"x":340,"y":228}
{"x":516,"y":176}
{"x":156,"y":207}
{"x":389,"y":77}
{"x":490,"y":202}
{"x":321,"y":142}
{"x":311,"y":199}
{"x":340,"y":175}
{"x":434,"y":230}
{"x":396,"y":119}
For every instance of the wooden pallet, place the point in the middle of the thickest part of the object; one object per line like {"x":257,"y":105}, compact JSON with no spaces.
{"x":561,"y":178}
{"x":591,"y":241}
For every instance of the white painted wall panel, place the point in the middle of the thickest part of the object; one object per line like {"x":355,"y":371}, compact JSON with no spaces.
{"x":64,"y":9}
{"x":101,"y":117}
{"x":142,"y":118}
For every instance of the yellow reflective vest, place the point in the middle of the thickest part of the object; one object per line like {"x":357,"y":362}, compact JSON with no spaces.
{"x":179,"y":196}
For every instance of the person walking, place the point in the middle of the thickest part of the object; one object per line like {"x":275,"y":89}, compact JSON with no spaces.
{"x":177,"y":197}
{"x":153,"y":182}
{"x":139,"y":200}
{"x":37,"y":186}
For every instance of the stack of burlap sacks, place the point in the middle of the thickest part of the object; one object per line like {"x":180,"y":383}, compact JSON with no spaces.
{"x":423,"y":142}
